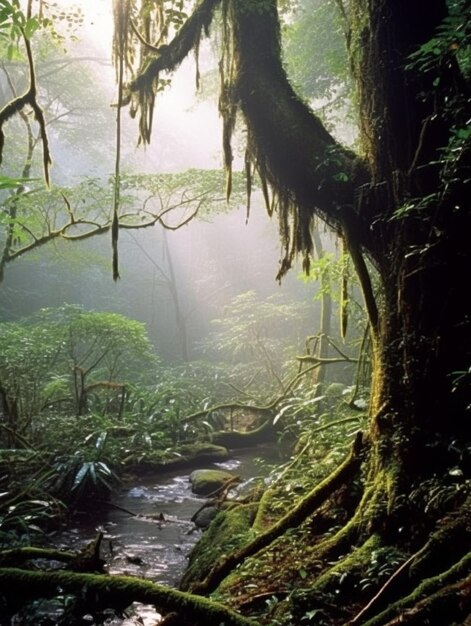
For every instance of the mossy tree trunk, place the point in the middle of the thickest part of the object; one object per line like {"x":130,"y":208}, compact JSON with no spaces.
{"x":419,"y":323}
{"x":401,"y":206}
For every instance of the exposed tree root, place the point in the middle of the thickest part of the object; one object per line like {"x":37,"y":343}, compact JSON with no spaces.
{"x":306,"y":507}
{"x":436,"y":555}
{"x":368,"y":608}
{"x":437,"y":574}
{"x":446,"y":594}
{"x":118,"y":592}
{"x":17,"y":556}
{"x":434,"y":558}
{"x":453,"y":601}
{"x":85,"y":560}
{"x":354,"y":563}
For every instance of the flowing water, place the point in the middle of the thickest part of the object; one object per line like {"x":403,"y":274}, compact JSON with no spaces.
{"x":148,"y":532}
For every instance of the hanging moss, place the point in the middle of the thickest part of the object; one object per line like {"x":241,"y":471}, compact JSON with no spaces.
{"x":155,"y":58}
{"x":307,"y":170}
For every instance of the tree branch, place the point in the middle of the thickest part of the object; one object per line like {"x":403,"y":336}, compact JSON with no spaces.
{"x":267,"y":408}
{"x":170,"y":56}
{"x":16,"y":106}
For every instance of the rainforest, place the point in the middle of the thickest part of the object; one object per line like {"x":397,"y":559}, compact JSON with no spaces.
{"x":235,"y":348}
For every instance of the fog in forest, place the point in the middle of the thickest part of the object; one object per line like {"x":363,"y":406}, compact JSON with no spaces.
{"x":177,"y":281}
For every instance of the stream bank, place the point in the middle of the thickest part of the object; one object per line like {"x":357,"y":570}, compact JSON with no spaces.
{"x":154,"y":542}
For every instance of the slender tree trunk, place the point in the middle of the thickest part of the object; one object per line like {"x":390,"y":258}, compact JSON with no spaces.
{"x":326,"y":314}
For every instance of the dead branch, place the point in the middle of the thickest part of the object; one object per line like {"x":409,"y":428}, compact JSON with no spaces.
{"x":266,"y":409}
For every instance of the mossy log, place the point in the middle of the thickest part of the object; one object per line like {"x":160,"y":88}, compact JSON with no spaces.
{"x":236,"y":439}
{"x":186,"y":456}
{"x":17,"y":556}
{"x":85,"y":560}
{"x":317,"y":496}
{"x":118,"y":592}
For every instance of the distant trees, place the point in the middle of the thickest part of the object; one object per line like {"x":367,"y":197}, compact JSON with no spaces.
{"x":57,"y":359}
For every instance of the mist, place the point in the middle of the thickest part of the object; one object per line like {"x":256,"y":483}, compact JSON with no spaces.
{"x":176,"y":282}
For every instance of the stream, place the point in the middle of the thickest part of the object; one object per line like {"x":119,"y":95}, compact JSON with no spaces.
{"x":155,"y":542}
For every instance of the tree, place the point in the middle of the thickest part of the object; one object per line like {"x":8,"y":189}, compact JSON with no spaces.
{"x":400,"y":205}
{"x":69,"y":105}
{"x":60,"y":357}
{"x":250,"y":335}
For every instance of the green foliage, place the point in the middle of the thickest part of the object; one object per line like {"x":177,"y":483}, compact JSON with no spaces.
{"x":8,"y":184}
{"x":451,"y":42}
{"x":383,"y":563}
{"x":26,"y":507}
{"x":23,"y":520}
{"x":300,"y":405}
{"x":254,"y":333}
{"x":186,"y":192}
{"x":154,"y":413}
{"x":57,"y":356}
{"x":315,"y":49}
{"x":436,"y":60}
{"x":86,"y":474}
{"x":317,"y":61}
{"x":328,"y":271}
{"x":336,"y":280}
{"x":14,"y":24}
{"x":319,"y":430}
{"x":439,"y":494}
{"x":71,"y":213}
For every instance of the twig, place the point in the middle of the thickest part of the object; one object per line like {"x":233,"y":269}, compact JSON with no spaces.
{"x":386,"y":585}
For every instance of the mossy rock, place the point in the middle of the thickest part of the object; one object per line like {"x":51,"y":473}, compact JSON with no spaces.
{"x":206,"y":481}
{"x":204,"y":517}
{"x":186,"y":456}
{"x":228,"y":531}
{"x":200,"y":452}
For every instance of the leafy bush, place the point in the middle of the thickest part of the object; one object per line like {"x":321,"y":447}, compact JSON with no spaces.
{"x":68,"y":359}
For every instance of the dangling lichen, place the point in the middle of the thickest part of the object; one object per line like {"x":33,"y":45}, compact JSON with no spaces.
{"x":297,"y":160}
{"x":147,"y":52}
{"x":344,"y":289}
{"x":227,"y":104}
{"x":121,"y":12}
{"x":248,"y":182}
